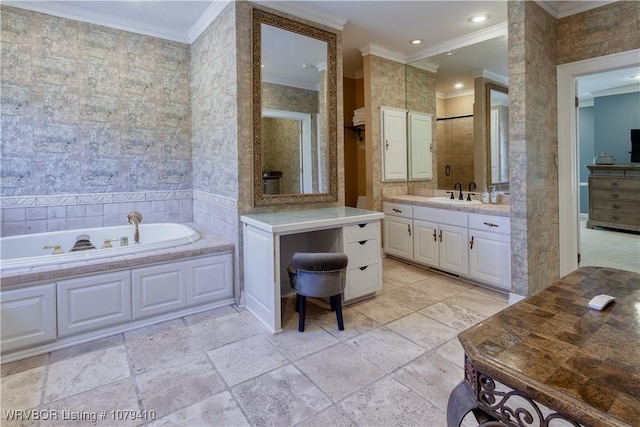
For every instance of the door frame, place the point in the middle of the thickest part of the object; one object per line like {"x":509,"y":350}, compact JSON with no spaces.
{"x":568,"y":172}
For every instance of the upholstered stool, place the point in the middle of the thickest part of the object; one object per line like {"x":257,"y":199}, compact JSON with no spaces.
{"x":318,"y":275}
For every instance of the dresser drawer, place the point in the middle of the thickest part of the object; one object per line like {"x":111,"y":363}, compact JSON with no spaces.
{"x":364,"y":231}
{"x":601,"y":194}
{"x":616,"y":205}
{"x":614,"y":183}
{"x":395,"y":209}
{"x":363,"y":252}
{"x":614,"y":217}
{"x":363,"y":281}
{"x":607,"y":172}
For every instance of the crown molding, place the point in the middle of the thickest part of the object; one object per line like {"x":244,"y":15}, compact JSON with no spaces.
{"x":374,"y":49}
{"x":463,"y":41}
{"x":293,"y":8}
{"x":617,"y":90}
{"x":562,"y":9}
{"x":455,"y":94}
{"x":206,"y":19}
{"x":427,"y":66}
{"x":491,"y":76}
{"x":62,"y":10}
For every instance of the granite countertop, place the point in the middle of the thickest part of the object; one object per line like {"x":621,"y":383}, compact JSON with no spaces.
{"x":554,"y":348}
{"x":209,"y":243}
{"x":497,"y":210}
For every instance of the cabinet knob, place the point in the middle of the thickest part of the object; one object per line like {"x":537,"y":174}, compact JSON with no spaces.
{"x":397,"y":210}
{"x":440,"y":236}
{"x":409,"y":229}
{"x":471,"y":243}
{"x":435,"y":235}
{"x":614,"y":184}
{"x":362,"y":242}
{"x":386,"y":144}
{"x":362,"y":225}
{"x":615,"y":206}
{"x":363,"y":268}
{"x":490,"y":224}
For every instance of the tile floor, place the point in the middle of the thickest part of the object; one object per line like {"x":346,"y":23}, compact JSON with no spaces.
{"x":394,"y":364}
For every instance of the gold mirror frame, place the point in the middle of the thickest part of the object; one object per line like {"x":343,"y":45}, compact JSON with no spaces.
{"x":489,"y":88}
{"x":259,"y":198}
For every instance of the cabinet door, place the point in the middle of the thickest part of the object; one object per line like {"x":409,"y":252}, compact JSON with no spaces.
{"x":419,"y":146}
{"x":28,"y":316}
{"x":209,"y":279}
{"x":453,"y":254}
{"x":93,"y":302}
{"x":425,"y":243}
{"x":490,"y":258}
{"x":157,"y":289}
{"x":394,"y":144}
{"x":398,"y":239}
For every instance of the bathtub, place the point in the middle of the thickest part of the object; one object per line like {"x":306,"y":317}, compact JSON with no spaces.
{"x":27,"y":251}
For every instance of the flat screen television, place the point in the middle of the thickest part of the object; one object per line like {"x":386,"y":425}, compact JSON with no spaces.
{"x":635,"y":145}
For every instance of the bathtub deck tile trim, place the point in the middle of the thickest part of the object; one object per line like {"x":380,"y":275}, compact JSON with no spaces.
{"x":90,"y":268}
{"x":115,"y":263}
{"x":159,"y":256}
{"x":63,"y":272}
{"x":137,"y":260}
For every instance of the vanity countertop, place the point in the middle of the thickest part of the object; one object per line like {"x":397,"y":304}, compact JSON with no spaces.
{"x":408,"y":199}
{"x":309,"y":219}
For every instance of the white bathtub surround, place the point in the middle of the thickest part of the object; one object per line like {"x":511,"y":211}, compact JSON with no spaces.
{"x":46,"y":213}
{"x":59,"y":305}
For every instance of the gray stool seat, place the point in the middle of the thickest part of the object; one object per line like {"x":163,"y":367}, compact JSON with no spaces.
{"x":318,"y":275}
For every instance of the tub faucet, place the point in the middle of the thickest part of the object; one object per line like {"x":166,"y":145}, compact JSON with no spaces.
{"x":455,"y":187}
{"x":135,"y":218}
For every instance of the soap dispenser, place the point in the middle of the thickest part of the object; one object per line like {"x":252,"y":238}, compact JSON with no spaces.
{"x":494,"y":195}
{"x":485,"y":196}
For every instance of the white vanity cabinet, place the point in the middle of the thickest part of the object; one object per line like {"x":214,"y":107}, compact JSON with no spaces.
{"x":490,"y":250}
{"x":93,"y":302}
{"x":28,"y":316}
{"x":361,"y":244}
{"x":394,"y":144}
{"x":441,"y":239}
{"x":398,"y":230}
{"x":470,"y":245}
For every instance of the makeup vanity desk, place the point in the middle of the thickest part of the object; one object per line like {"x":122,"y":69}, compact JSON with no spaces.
{"x":271,"y":238}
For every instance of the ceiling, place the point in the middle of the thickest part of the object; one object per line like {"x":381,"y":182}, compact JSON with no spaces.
{"x":383,"y":28}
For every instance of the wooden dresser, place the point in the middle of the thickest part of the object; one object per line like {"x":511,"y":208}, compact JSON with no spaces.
{"x":614,"y":196}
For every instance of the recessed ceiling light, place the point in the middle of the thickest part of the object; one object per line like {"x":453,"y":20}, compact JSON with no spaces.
{"x":449,"y":53}
{"x":416,"y":41}
{"x":637,"y":77}
{"x":478,"y":19}
{"x":458,"y":85}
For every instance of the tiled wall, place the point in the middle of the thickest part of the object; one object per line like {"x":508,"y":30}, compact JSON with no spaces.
{"x":89,"y":110}
{"x":454,"y":145}
{"x":608,"y":29}
{"x":39,"y":214}
{"x":533,"y":147}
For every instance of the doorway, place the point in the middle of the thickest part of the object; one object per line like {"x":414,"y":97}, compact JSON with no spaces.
{"x":568,"y":182}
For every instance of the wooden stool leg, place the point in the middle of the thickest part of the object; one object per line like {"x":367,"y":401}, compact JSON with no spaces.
{"x":302,"y":308}
{"x":337,"y":302}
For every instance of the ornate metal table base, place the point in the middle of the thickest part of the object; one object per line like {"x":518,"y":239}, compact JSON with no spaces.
{"x":496,"y":406}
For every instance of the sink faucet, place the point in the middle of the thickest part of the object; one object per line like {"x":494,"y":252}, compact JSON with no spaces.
{"x":472,"y":183}
{"x":459,"y":184}
{"x":135,"y":218}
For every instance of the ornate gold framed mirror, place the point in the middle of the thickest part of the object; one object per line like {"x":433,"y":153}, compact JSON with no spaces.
{"x":294,"y":71}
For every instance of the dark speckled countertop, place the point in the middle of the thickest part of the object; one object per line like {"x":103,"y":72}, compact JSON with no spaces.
{"x":579,"y":361}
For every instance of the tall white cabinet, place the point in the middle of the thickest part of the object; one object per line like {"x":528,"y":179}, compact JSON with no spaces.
{"x":406,"y":145}
{"x":419,"y":143}
{"x":394,"y":144}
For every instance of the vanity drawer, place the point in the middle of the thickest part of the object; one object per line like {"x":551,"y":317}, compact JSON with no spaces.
{"x":363,"y":281}
{"x":494,"y":224}
{"x":363,"y":252}
{"x":395,"y":209}
{"x":364,"y":231}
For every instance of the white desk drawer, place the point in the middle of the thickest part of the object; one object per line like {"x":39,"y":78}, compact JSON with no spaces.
{"x":364,"y":231}
{"x":363,"y":252}
{"x":363,"y":281}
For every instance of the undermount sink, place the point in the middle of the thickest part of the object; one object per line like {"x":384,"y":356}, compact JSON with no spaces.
{"x":450,"y":201}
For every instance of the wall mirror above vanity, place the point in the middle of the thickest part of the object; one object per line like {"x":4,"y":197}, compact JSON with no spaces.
{"x":462,"y":148}
{"x":497,"y":115}
{"x":294,"y":72}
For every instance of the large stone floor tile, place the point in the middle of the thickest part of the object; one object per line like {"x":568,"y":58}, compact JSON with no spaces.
{"x":423,"y":330}
{"x":219,"y":410}
{"x":385,"y":348}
